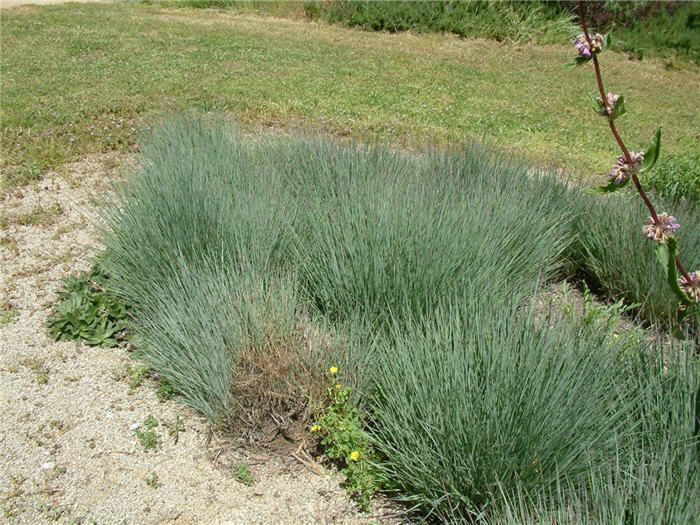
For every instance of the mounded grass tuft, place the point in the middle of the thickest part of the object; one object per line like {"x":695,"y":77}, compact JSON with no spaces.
{"x":481,"y":404}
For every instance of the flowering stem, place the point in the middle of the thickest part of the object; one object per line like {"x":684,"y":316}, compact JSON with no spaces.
{"x":625,"y":151}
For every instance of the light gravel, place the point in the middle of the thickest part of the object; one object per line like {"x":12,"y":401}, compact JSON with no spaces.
{"x":68,"y":446}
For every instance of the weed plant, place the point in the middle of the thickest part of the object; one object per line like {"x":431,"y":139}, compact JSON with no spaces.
{"x":87,"y":311}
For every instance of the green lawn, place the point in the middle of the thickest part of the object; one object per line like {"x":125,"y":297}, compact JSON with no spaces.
{"x":83,"y":78}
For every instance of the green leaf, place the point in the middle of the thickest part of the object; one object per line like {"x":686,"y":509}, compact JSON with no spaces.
{"x":608,"y":188}
{"x":578,"y":61}
{"x":619,"y":108}
{"x":666,"y":254}
{"x":652,"y":154}
{"x":595,"y":102}
{"x":607,"y":39}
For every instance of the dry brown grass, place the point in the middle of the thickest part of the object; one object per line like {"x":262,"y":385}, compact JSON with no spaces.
{"x":279,"y":383}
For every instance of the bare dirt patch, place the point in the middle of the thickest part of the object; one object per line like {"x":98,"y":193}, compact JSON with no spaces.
{"x":74,"y":432}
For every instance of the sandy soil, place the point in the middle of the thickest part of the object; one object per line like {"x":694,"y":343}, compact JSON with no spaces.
{"x":69,"y":452}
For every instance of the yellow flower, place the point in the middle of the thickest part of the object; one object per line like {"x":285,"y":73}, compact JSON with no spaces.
{"x":315,"y":428}
{"x":337,"y":387}
{"x":354,"y":455}
{"x":333,"y":370}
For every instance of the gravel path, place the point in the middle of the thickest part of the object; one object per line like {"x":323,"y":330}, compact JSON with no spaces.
{"x":69,"y":452}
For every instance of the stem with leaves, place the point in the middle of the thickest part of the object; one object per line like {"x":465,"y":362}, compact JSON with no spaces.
{"x":661,"y":227}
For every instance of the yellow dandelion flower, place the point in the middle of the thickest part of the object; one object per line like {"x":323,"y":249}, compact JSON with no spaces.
{"x":354,"y":455}
{"x":333,"y":370}
{"x":315,"y":428}
{"x":337,"y":387}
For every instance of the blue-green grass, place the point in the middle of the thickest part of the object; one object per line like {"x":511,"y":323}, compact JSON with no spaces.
{"x":415,"y":271}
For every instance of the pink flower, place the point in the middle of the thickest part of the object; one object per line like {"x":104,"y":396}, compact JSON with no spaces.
{"x":621,"y":170}
{"x":691,"y":287}
{"x":581,"y":44}
{"x":585,"y":49}
{"x":661,"y":230}
{"x":606,"y":110}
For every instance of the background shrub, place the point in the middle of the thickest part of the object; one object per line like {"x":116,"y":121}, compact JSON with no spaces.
{"x":641,"y":28}
{"x":677,"y":177}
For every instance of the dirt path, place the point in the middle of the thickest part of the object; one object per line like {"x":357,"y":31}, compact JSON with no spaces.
{"x":69,"y":452}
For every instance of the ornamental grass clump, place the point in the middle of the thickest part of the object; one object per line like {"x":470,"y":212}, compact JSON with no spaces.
{"x":384,"y":234}
{"x":224,"y":245}
{"x":484,"y":411}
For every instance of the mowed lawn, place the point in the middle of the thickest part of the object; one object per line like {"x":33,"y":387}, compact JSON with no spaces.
{"x":85,"y":78}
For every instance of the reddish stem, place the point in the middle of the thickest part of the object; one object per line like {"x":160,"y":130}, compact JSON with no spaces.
{"x":628,"y":157}
{"x":625,"y":151}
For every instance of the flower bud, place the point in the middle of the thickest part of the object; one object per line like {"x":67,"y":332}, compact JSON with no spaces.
{"x":607,"y":109}
{"x":691,"y":287}
{"x":622,"y":170}
{"x":661,"y":230}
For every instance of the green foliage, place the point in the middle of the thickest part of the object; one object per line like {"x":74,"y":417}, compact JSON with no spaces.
{"x":666,"y":253}
{"x":656,"y":480}
{"x":610,"y":187}
{"x":174,"y":428}
{"x":136,"y":375}
{"x":502,"y":20}
{"x":480,"y":405}
{"x":88,"y":311}
{"x":301,"y":223}
{"x":150,"y":422}
{"x":619,"y":109}
{"x":148,"y":439}
{"x":421,"y":265}
{"x":385,"y":232}
{"x":677,"y":176}
{"x":344,"y":439}
{"x":668,"y":29}
{"x":243,"y":474}
{"x":165,"y":390}
{"x":652,"y":153}
{"x":208,"y":257}
{"x":641,"y":28}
